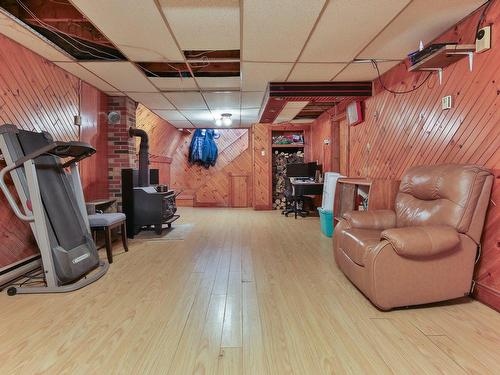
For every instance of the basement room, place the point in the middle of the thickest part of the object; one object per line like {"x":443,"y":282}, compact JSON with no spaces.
{"x":249,"y":187}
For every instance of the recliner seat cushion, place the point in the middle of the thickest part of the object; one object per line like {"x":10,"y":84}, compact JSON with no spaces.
{"x":357,"y":242}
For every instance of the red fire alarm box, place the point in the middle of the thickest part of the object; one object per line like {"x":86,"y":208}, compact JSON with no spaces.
{"x":354,"y":113}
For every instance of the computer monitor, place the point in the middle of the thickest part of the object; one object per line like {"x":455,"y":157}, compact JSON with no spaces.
{"x":313,"y":166}
{"x":301,"y":169}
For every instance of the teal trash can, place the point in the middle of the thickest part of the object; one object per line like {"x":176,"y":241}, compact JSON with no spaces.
{"x":326,"y":221}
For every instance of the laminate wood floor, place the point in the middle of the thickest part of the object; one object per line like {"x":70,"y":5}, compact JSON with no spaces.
{"x":245,"y":293}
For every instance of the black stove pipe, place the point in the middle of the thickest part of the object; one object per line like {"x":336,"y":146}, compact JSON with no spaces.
{"x":143,"y":155}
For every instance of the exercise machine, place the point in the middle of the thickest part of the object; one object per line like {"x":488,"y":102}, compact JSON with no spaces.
{"x":46,"y":178}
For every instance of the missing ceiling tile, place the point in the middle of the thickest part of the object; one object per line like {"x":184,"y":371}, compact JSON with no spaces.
{"x":62,"y":24}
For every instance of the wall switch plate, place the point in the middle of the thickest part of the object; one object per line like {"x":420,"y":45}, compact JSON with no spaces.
{"x":446,"y":102}
{"x":483,"y":39}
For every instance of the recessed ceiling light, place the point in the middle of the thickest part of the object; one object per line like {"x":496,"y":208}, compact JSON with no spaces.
{"x":225,"y":120}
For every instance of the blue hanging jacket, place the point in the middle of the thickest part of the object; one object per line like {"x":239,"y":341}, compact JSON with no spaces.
{"x":203,"y":149}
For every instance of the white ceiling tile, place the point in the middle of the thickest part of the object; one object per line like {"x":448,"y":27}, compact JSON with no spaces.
{"x":421,"y":20}
{"x":249,"y":116}
{"x":186,"y":99}
{"x":200,"y":118}
{"x":204,"y":25}
{"x":256,"y":76}
{"x":136,"y":27}
{"x":31,"y":40}
{"x":219,"y":83}
{"x":217,"y":100}
{"x":251,"y":99}
{"x":89,"y":77}
{"x":363,"y":71}
{"x":151,"y":100}
{"x":206,"y":119}
{"x":170,"y":115}
{"x":301,"y":121}
{"x":289,"y":111}
{"x":304,"y":72}
{"x":234,"y":111}
{"x":123,"y":75}
{"x":174,"y":84}
{"x":276,"y":30}
{"x":181,"y":124}
{"x":114,"y":93}
{"x":347,"y":26}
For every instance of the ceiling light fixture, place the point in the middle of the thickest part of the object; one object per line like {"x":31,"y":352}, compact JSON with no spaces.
{"x":225,"y":120}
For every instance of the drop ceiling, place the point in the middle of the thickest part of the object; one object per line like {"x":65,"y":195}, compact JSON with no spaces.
{"x":279,"y":40}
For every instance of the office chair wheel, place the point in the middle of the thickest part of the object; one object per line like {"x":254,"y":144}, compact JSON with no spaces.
{"x":12,"y":291}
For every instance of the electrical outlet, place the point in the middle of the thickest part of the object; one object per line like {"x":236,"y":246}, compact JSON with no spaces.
{"x":483,"y":39}
{"x":446,"y":102}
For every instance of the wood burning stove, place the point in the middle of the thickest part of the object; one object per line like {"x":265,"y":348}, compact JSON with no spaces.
{"x":146,"y":203}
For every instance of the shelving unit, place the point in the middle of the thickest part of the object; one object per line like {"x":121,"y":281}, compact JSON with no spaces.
{"x":443,"y":57}
{"x":290,"y":145}
{"x":289,"y":134}
{"x":283,"y":154}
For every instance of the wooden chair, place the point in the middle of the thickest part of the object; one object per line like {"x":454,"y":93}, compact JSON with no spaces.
{"x":106,"y":223}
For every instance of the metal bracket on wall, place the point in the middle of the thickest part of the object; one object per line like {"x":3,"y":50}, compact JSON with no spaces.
{"x":440,"y":70}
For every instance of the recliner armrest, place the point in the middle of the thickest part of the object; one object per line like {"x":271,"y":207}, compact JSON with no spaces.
{"x":378,"y":219}
{"x":422,"y":241}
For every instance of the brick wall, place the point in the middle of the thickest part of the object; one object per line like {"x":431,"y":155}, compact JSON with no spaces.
{"x":121,"y":148}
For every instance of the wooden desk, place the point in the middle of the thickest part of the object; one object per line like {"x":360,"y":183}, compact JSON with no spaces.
{"x":301,"y":188}
{"x":99,"y":205}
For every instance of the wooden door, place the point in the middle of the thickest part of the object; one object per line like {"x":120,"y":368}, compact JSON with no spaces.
{"x":344,"y":147}
{"x":238,"y":190}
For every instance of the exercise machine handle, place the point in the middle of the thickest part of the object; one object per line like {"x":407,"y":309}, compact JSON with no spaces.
{"x":10,"y":198}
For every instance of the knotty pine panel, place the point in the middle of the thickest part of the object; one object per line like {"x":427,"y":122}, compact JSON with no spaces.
{"x":217,"y":190}
{"x":262,"y":169}
{"x":169,"y":152}
{"x":411,"y":129}
{"x":164,"y":139}
{"x":325,"y":154}
{"x":34,"y":95}
{"x":93,"y":130}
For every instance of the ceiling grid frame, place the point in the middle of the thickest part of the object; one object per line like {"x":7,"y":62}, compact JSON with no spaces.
{"x":142,"y":72}
{"x":347,"y":72}
{"x":374,"y":37}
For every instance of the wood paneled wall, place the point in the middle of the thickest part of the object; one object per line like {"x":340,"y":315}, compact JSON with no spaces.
{"x":262,"y":159}
{"x":262,"y":168}
{"x":93,"y":130}
{"x":164,"y":139}
{"x":210,"y":187}
{"x":169,"y":149}
{"x":411,"y":129}
{"x":325,"y":128}
{"x":34,"y":95}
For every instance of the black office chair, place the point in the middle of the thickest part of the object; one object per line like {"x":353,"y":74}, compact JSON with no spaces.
{"x":293,"y":204}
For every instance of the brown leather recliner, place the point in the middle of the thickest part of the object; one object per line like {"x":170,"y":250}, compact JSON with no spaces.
{"x":424,"y":251}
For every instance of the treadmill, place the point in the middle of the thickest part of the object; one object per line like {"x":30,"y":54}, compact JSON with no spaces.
{"x":46,"y":178}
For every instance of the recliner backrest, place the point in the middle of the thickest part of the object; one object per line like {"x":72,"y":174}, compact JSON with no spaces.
{"x":446,"y":194}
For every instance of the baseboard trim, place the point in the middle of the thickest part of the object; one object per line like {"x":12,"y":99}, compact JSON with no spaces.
{"x":487,"y":295}
{"x":209,"y":204}
{"x":262,"y":208}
